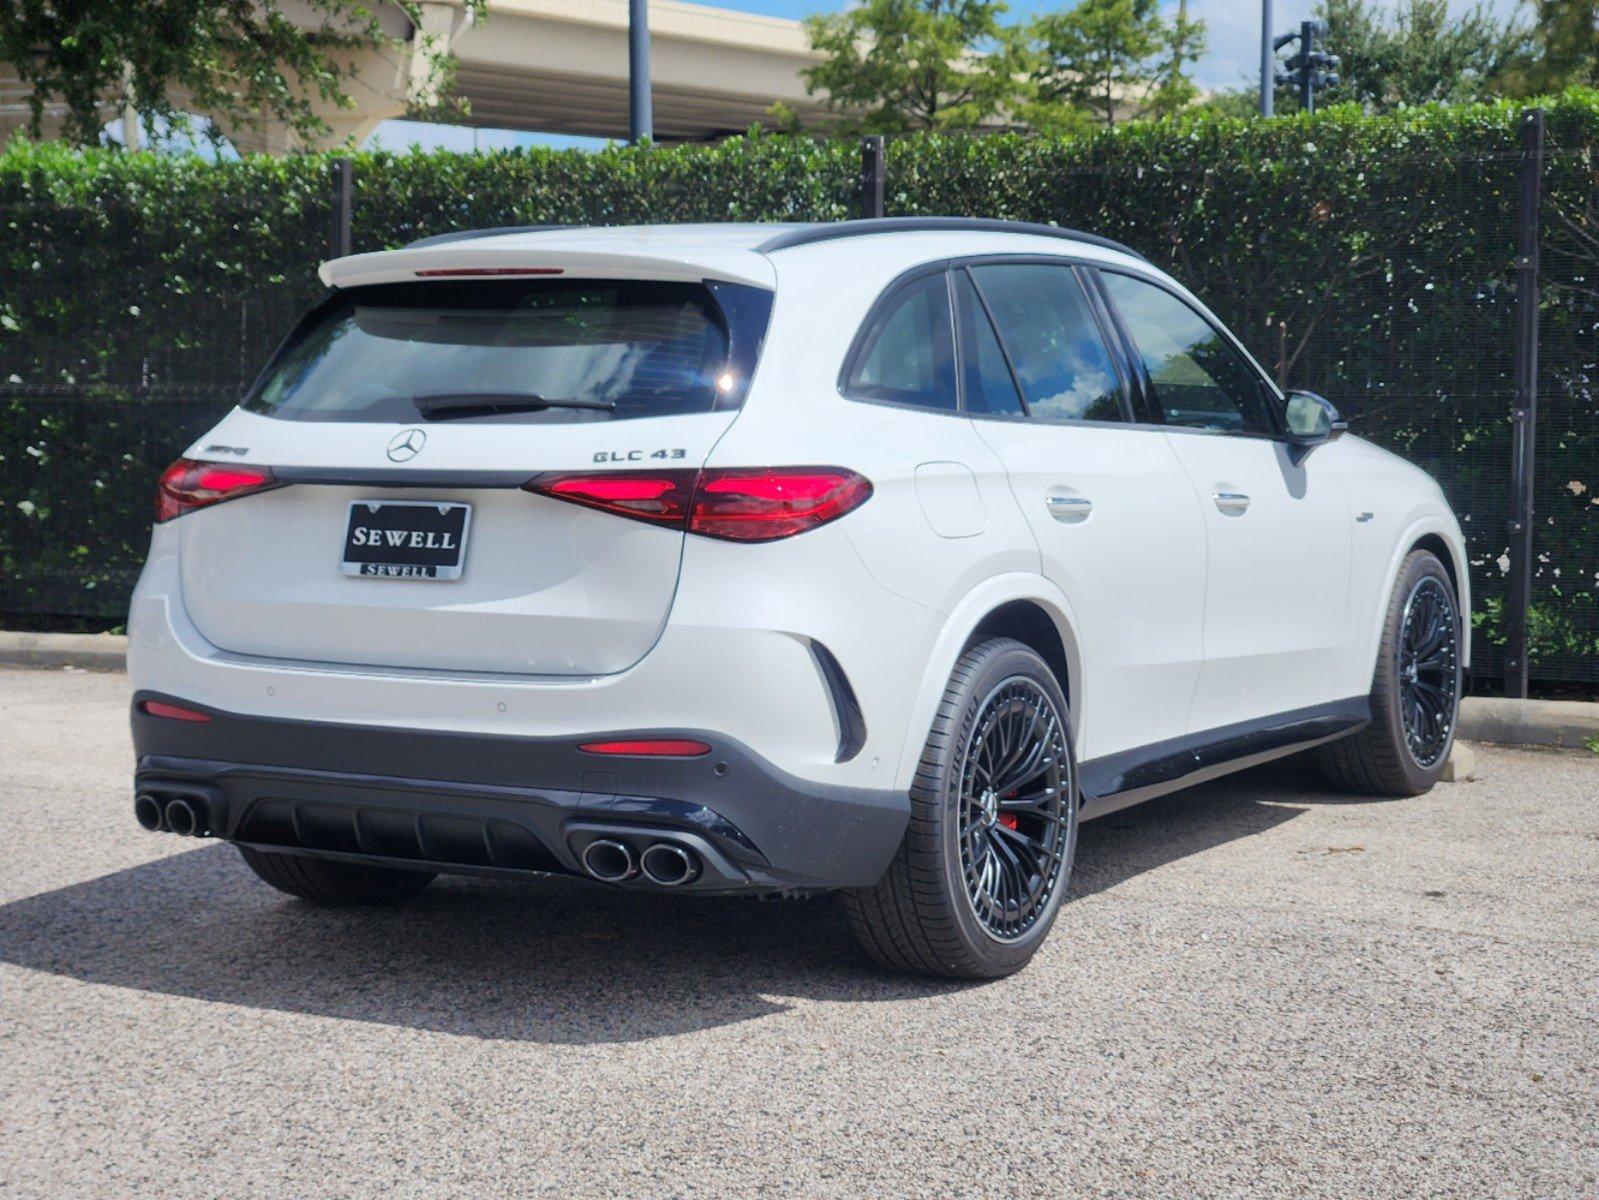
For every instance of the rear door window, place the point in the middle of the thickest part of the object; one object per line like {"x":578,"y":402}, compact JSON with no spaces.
{"x":907,"y":355}
{"x":1052,"y":340}
{"x":590,"y":349}
{"x":989,"y":385}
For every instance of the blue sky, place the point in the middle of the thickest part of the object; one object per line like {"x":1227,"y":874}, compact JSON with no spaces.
{"x":1231,"y":59}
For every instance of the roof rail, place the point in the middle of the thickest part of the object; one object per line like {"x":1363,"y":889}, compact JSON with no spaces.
{"x":467,"y":235}
{"x":834,"y":230}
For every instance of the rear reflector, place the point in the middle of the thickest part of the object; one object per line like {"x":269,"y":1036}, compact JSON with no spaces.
{"x":649,"y":748}
{"x":462,"y":272}
{"x":759,"y":504}
{"x":187,"y":485}
{"x":157,"y":708}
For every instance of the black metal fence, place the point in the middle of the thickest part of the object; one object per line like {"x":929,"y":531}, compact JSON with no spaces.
{"x":1398,"y":298}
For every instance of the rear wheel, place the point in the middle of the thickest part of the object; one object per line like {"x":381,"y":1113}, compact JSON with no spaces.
{"x":323,"y":881}
{"x":1415,"y":691}
{"x":986,"y":858}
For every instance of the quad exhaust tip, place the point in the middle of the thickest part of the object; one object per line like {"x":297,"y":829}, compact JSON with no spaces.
{"x":668,"y":865}
{"x":147,"y":811}
{"x":608,"y":861}
{"x":184,"y":819}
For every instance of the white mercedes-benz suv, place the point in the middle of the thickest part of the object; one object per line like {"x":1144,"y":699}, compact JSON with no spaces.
{"x":868,"y":557}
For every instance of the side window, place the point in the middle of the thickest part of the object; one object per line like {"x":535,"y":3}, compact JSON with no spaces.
{"x":907,"y":356}
{"x":1200,"y":380}
{"x":990,"y":390}
{"x":1053,"y":341}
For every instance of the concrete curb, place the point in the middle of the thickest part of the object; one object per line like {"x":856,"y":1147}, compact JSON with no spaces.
{"x":1568,"y":723}
{"x":89,"y":651}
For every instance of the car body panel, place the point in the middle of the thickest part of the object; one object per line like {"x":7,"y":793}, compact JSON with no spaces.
{"x":1153,"y":601}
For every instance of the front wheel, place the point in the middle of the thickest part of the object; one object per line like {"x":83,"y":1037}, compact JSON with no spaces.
{"x":1415,"y":692}
{"x":977,"y":881}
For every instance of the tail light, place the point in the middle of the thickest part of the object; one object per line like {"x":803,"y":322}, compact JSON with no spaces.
{"x":738,"y":504}
{"x":187,"y":485}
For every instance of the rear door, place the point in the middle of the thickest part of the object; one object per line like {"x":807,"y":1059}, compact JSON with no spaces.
{"x":1114,"y":516}
{"x":1279,"y":531}
{"x":405,"y":421}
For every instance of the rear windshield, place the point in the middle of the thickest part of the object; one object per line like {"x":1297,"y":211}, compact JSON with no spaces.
{"x":555,"y":350}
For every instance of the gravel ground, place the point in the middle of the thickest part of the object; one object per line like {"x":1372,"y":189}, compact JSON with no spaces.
{"x":1259,"y":990}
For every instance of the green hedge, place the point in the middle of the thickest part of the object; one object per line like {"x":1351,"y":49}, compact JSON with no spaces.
{"x":1367,"y":257}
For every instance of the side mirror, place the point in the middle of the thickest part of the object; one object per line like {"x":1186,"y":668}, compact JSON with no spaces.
{"x":1311,"y":420}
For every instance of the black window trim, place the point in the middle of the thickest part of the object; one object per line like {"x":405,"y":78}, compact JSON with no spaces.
{"x":1151,"y":409}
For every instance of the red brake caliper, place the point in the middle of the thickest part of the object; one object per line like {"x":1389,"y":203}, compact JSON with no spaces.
{"x":1008,"y":820}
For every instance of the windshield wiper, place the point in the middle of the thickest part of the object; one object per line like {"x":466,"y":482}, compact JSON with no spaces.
{"x":442,"y":406}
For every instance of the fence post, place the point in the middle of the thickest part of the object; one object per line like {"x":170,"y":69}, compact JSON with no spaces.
{"x":1524,"y":416}
{"x":341,"y":177}
{"x":872,"y":176}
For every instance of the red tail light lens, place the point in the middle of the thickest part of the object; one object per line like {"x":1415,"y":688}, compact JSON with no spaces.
{"x":761,"y":504}
{"x":187,"y":485}
{"x":649,"y":748}
{"x":764,"y":505}
{"x":660,"y":497}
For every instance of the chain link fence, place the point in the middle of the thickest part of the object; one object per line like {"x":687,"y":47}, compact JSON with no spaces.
{"x":1388,"y":285}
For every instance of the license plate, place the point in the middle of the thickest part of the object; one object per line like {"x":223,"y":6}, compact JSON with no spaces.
{"x":406,"y":539}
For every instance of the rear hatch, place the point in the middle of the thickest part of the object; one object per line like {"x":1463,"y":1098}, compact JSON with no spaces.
{"x":401,"y":423}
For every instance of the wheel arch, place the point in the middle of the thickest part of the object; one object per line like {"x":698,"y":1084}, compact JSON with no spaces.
{"x":1442,"y":537}
{"x":1026,"y":607}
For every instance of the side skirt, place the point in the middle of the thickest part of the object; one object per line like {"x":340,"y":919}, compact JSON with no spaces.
{"x":1130,"y":777}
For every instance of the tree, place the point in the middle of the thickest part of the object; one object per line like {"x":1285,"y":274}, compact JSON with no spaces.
{"x":244,"y":62}
{"x":1115,"y":59}
{"x":1420,"y":54}
{"x":1563,"y":48}
{"x":899,"y":65}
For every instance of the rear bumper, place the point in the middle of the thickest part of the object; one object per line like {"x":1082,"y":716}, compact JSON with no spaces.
{"x":480,"y":803}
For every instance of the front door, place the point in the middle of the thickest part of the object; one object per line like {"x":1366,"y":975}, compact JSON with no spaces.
{"x":1277,"y":530}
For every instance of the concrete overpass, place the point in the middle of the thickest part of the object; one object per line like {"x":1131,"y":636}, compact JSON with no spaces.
{"x":558,"y":66}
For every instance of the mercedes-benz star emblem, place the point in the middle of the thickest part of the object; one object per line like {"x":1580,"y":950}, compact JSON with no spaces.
{"x":407,"y":444}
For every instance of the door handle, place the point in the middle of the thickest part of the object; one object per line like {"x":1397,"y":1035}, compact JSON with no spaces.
{"x":1234,"y":504}
{"x":1070,"y":509}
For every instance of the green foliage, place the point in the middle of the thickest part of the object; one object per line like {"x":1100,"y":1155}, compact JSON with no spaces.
{"x":238,"y":61}
{"x":1565,"y":47}
{"x":896,"y":66}
{"x":1417,"y":53}
{"x":900,"y":65}
{"x":1367,"y":257}
{"x":1113,"y":59}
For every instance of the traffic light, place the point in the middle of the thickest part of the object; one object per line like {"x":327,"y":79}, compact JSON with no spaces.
{"x":1310,"y":69}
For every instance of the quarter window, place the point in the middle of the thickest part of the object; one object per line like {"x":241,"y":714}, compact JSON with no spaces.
{"x":908,"y":355}
{"x":1199,"y":378}
{"x":1052,"y":340}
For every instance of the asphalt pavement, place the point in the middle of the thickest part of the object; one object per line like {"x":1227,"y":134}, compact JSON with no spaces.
{"x":1259,"y":989}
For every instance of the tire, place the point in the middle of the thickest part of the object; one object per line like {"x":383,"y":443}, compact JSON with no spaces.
{"x":923,"y":915}
{"x":1382,"y":760}
{"x":336,"y":884}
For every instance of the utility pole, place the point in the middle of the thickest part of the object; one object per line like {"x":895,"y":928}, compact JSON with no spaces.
{"x":1310,"y":70}
{"x":1268,"y":60}
{"x":639,"y":122}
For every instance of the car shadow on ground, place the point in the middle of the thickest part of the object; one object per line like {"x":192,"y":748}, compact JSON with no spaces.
{"x":559,"y":961}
